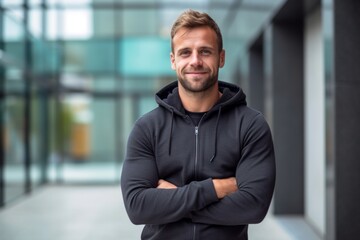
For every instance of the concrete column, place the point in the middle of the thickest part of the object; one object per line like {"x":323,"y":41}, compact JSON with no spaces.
{"x":343,"y":118}
{"x":283,"y":64}
{"x":256,"y":76}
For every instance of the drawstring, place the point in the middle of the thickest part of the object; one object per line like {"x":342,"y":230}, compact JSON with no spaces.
{"x":171,"y":129}
{"x":215,"y":138}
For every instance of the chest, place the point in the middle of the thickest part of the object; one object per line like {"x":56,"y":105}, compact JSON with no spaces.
{"x":187,"y":153}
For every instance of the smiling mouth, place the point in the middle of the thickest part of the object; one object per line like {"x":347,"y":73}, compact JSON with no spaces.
{"x":195,"y":73}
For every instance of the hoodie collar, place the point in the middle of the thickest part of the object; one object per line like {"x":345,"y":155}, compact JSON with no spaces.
{"x":168,"y":97}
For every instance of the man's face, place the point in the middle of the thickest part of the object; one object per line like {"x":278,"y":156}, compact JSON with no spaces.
{"x":196,"y":58}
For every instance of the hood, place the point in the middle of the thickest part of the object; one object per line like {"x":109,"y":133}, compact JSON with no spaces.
{"x":168,"y":97}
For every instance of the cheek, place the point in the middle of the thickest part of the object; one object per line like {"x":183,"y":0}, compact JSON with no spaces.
{"x":179,"y":66}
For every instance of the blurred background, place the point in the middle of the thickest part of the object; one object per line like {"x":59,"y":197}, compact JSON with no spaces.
{"x":76,"y":74}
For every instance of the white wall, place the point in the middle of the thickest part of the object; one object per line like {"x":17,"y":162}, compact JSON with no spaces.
{"x":314,"y":122}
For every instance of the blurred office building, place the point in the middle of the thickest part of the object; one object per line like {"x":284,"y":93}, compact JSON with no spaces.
{"x":76,"y":74}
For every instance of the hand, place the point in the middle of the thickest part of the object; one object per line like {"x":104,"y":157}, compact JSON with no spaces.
{"x":224,"y":187}
{"x":165,"y":184}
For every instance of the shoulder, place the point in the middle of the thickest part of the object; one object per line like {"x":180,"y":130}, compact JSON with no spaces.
{"x":246,"y":115}
{"x":155,"y":116}
{"x":152,"y":122}
{"x":248,"y":120}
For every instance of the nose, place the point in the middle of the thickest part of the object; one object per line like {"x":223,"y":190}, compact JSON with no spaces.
{"x":195,"y":59}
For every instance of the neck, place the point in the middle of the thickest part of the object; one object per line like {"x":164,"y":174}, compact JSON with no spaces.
{"x":199,"y":101}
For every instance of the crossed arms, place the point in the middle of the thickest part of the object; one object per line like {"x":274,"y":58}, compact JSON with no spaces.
{"x":241,"y":199}
{"x":222,"y":187}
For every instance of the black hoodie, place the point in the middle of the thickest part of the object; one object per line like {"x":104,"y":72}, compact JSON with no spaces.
{"x":231,"y":140}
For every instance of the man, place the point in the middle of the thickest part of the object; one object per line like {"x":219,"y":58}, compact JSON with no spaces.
{"x":201,"y":165}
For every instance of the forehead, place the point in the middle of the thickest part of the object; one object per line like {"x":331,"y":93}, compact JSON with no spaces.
{"x":195,"y":37}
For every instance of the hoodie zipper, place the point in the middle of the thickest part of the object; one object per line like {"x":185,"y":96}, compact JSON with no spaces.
{"x":195,"y":166}
{"x":196,"y":161}
{"x":196,"y":150}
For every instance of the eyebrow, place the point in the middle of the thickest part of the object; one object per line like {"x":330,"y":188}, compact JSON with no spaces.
{"x":200,"y":48}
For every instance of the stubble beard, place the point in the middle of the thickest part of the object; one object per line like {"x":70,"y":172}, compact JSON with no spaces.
{"x":204,"y":85}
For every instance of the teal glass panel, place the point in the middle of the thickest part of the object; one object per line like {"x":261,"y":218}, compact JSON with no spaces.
{"x":14,"y":169}
{"x":146,"y":104}
{"x":90,"y":150}
{"x":145,"y":56}
{"x":92,"y":56}
{"x":104,"y":83}
{"x":36,"y":131}
{"x":138,"y":85}
{"x":105,"y":24}
{"x":140,"y":22}
{"x":45,"y":56}
{"x":14,"y":122}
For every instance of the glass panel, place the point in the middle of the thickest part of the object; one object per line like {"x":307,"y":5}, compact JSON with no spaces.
{"x":35,"y":2}
{"x":105,"y":24}
{"x":13,"y":59}
{"x":140,"y":22}
{"x":69,"y":23}
{"x":90,"y":151}
{"x":36,"y":130}
{"x":93,"y":56}
{"x":145,"y":56}
{"x":68,"y":2}
{"x":104,"y":83}
{"x":59,"y":121}
{"x":147,"y":103}
{"x":53,"y":30}
{"x":14,"y":172}
{"x":11,"y":3}
{"x":13,"y":31}
{"x":77,"y":23}
{"x":35,"y":22}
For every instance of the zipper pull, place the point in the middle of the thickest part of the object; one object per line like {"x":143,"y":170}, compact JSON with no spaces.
{"x":196,"y":130}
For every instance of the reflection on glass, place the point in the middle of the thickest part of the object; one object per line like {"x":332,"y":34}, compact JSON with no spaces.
{"x":77,"y":24}
{"x":14,"y":172}
{"x":90,"y":148}
{"x":68,"y":2}
{"x":13,"y":30}
{"x":69,"y":23}
{"x":35,"y":22}
{"x":92,"y":56}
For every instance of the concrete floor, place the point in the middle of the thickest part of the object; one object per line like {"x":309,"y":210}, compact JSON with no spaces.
{"x":97,"y":213}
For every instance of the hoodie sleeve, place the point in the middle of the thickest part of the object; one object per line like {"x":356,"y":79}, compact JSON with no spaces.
{"x":144,"y":203}
{"x":255,"y":176}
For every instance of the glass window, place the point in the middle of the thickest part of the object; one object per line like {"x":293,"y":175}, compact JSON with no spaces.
{"x":68,"y":2}
{"x":70,"y":24}
{"x":35,"y":22}
{"x":93,"y":56}
{"x":53,"y":30}
{"x":90,"y":152}
{"x":11,"y":3}
{"x":14,"y":169}
{"x":77,"y":24}
{"x":36,"y":131}
{"x":140,"y":22}
{"x":145,"y":56}
{"x":105,"y":24}
{"x":104,"y":83}
{"x":13,"y":30}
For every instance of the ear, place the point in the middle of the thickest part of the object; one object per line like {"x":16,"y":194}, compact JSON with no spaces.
{"x":172,"y":60}
{"x":222,"y":58}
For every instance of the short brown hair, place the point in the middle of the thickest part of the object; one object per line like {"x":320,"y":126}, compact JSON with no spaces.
{"x":192,"y":19}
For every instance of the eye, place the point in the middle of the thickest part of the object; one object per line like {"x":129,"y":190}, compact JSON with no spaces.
{"x":205,"y":52}
{"x":184,"y":53}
